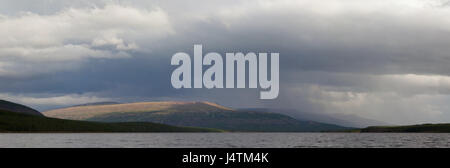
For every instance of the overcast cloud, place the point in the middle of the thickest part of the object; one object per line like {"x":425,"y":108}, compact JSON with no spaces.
{"x":380,"y":59}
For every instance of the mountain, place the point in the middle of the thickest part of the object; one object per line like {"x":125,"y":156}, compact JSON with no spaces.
{"x":20,"y":122}
{"x":95,"y":104}
{"x":194,"y":114}
{"x":18,"y":108}
{"x":346,"y":120}
{"x":425,"y":128}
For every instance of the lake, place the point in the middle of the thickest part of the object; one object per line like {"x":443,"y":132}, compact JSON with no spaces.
{"x":226,"y":140}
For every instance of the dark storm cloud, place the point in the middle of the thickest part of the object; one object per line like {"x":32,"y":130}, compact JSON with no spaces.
{"x":379,"y":59}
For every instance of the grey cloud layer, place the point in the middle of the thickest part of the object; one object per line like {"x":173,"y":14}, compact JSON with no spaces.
{"x":60,"y":41}
{"x":380,"y":59}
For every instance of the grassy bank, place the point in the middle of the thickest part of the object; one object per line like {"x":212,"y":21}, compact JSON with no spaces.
{"x":425,"y":128}
{"x":15,"y":122}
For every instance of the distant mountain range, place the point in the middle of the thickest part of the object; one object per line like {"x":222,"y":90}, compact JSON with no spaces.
{"x":193,"y":114}
{"x":181,"y":117}
{"x":346,"y":120}
{"x":96,"y":103}
{"x":19,"y":118}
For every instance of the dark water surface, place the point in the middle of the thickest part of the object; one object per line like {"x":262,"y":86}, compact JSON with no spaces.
{"x":227,"y":140}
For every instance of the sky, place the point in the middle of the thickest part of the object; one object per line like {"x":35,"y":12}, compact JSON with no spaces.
{"x":379,"y":59}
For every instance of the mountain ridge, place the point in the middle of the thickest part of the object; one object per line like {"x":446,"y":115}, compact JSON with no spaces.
{"x":96,"y":103}
{"x":346,"y":120}
{"x":18,"y":108}
{"x":193,"y":113}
